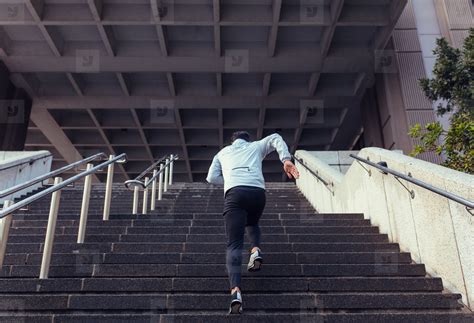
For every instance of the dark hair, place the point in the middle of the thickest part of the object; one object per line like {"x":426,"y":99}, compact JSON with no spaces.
{"x":240,"y":135}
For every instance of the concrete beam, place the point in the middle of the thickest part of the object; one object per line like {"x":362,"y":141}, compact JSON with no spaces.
{"x":75,"y":83}
{"x":56,"y":136}
{"x":136,"y":119}
{"x":171,"y":86}
{"x":21,"y":82}
{"x":326,"y":40}
{"x":123,"y":83}
{"x":217,"y":28}
{"x":308,"y":62}
{"x":106,"y":140}
{"x":188,"y":102}
{"x":179,"y":125}
{"x":54,"y":41}
{"x":159,"y":28}
{"x":272,"y":39}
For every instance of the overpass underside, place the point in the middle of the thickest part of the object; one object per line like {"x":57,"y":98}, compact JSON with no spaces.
{"x":149,"y":78}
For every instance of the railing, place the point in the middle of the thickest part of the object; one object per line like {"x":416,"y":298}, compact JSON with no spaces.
{"x":382,"y":166}
{"x":315,"y":174}
{"x":49,"y":175}
{"x":6,"y":214}
{"x":161,"y":168}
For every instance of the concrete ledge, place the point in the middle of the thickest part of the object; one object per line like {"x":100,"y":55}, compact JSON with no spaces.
{"x":16,"y":168}
{"x":435,"y":230}
{"x":339,"y":160}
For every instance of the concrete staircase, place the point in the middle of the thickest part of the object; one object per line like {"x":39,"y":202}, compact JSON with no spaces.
{"x":168,"y":266}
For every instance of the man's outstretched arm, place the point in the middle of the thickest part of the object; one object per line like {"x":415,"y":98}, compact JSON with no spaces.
{"x":275,"y":142}
{"x":214,"y":176}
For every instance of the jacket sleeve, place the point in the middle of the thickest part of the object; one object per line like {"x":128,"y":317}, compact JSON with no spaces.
{"x":274,"y":142}
{"x":214,"y":176}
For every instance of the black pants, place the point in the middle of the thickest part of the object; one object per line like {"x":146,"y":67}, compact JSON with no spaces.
{"x":243,"y":207}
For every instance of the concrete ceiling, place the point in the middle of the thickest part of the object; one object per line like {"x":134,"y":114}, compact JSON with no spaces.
{"x":150,"y":77}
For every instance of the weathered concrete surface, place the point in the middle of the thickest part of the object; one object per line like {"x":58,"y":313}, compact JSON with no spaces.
{"x":437,"y":231}
{"x":15,"y":168}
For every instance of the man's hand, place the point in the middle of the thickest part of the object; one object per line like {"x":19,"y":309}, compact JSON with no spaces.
{"x":290,"y":170}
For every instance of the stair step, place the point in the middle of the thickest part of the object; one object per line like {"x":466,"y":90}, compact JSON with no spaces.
{"x":74,"y":216}
{"x":268,"y":247}
{"x":218,"y":284}
{"x":216,"y":270}
{"x":250,"y":316}
{"x":217,"y":220}
{"x":202,"y":238}
{"x":14,"y":248}
{"x":265,"y":302}
{"x":208,"y":258}
{"x":264,"y":230}
{"x":111,"y":227}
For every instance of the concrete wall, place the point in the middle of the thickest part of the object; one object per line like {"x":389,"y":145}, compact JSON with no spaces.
{"x":339,"y":160}
{"x":436,"y":231}
{"x":15,"y":168}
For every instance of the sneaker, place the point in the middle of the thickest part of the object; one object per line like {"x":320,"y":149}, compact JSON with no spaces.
{"x":236,"y":303}
{"x":255,"y":262}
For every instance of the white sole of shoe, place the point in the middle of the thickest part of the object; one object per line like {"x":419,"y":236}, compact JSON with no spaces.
{"x":235,"y":308}
{"x":257,"y":265}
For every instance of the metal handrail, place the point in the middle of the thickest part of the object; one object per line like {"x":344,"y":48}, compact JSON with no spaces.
{"x":170,"y":160}
{"x":8,"y":210}
{"x":468,"y":204}
{"x":49,"y":175}
{"x":326,"y":183}
{"x":150,"y":168}
{"x":29,"y":161}
{"x":158,"y":169}
{"x":130,"y":184}
{"x":6,"y":214}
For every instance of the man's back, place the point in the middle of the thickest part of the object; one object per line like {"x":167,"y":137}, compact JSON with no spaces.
{"x":240,"y":164}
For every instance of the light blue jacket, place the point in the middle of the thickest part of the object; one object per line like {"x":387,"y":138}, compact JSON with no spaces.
{"x":241,"y":162}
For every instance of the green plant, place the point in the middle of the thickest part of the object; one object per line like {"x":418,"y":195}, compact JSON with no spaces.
{"x":453,"y":86}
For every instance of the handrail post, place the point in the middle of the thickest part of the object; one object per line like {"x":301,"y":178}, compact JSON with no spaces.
{"x":85,"y":207}
{"x":171,"y":169}
{"x":5,"y":224}
{"x":160,"y":183}
{"x":50,"y":231}
{"x":165,"y":188}
{"x":145,"y":198}
{"x":153,"y":192}
{"x":108,"y":190}
{"x":136,"y":191}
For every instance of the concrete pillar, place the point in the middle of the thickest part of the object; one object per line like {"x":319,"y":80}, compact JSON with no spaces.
{"x":15,"y":109}
{"x":401,"y":99}
{"x":371,"y":120}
